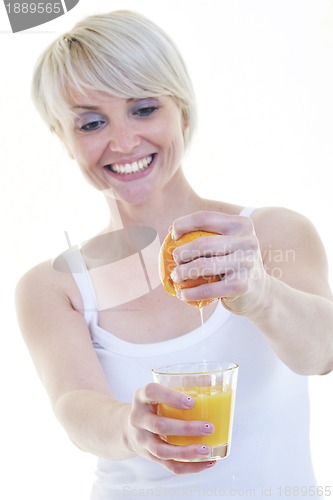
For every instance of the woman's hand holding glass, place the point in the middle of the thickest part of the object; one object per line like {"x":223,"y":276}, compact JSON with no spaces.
{"x":145,"y":427}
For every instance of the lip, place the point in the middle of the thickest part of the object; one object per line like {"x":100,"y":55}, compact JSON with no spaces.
{"x":135,"y":175}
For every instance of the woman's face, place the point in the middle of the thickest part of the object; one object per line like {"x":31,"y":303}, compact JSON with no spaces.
{"x":134,"y":146}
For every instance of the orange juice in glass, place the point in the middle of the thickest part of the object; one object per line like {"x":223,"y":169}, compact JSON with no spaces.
{"x":213,"y":387}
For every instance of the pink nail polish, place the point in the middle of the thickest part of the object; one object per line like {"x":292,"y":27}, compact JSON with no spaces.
{"x":189,"y":402}
{"x":209,"y":428}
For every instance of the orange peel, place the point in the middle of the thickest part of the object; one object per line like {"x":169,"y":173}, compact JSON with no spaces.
{"x":167,"y":265}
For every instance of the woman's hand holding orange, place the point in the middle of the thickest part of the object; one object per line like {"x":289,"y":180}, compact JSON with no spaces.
{"x":233,"y":254}
{"x":145,"y":427}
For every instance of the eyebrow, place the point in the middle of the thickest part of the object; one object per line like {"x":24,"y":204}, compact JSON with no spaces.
{"x":96,"y":108}
{"x":86,"y":106}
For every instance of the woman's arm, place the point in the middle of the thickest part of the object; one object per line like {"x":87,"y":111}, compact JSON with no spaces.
{"x":59,"y":342}
{"x":48,"y":305}
{"x":297,"y":311}
{"x":274,"y":271}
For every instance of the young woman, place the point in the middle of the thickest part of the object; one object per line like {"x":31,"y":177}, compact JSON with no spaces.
{"x":117,"y":93}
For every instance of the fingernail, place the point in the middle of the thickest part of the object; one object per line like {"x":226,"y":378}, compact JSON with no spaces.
{"x":209,"y":428}
{"x":189,"y":402}
{"x":203,"y":450}
{"x":173,"y":236}
{"x":179,"y":294}
{"x":174,"y":275}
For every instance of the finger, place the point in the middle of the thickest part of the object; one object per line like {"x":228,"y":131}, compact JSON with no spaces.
{"x":232,"y":286}
{"x":187,"y":468}
{"x":238,"y":262}
{"x":212,"y":221}
{"x":157,"y":393}
{"x":164,"y":451}
{"x":208,"y":246}
{"x":204,"y":246}
{"x":145,"y":408}
{"x":180,"y":466}
{"x":167,"y":426}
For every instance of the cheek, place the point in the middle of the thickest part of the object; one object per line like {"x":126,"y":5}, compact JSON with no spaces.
{"x":178,"y":138}
{"x":82,"y":151}
{"x":170,"y":133}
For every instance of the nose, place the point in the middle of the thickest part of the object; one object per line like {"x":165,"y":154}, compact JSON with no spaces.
{"x":123,"y":138}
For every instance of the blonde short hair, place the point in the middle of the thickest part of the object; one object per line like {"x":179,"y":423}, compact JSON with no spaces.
{"x":121,"y":53}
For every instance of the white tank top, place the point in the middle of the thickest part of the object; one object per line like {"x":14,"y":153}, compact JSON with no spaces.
{"x":270,"y":453}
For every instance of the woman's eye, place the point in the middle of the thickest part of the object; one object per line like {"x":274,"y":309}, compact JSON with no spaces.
{"x":94,"y":125}
{"x":146,"y":111}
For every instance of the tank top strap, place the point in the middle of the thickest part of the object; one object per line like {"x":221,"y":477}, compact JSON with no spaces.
{"x":80,"y":274}
{"x":247,"y":211}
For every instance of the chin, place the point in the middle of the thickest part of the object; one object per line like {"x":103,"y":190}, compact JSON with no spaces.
{"x":133,"y":196}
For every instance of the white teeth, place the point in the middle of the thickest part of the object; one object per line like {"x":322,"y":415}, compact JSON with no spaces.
{"x":131,"y":168}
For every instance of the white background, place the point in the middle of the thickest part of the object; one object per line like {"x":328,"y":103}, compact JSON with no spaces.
{"x":263,"y":72}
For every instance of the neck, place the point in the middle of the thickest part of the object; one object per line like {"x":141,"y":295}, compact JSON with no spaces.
{"x":160,"y":210}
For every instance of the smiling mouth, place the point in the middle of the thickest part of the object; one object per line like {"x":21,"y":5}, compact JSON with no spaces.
{"x":131,"y":168}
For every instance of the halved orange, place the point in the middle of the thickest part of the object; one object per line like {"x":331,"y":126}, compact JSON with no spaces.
{"x":167,"y":265}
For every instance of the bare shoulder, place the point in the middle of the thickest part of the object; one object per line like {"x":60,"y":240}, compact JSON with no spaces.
{"x":290,"y":245}
{"x":52,"y":323}
{"x":44,"y":284}
{"x":283,"y":226}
